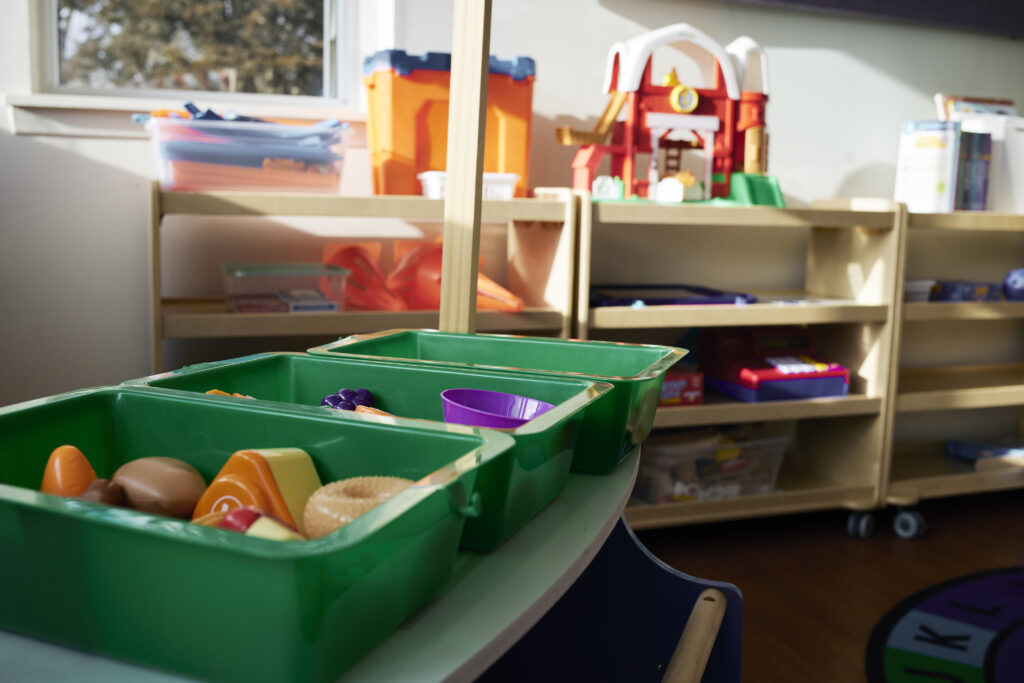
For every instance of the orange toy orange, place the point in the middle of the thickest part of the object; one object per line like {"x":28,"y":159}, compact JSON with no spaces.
{"x":278,"y":480}
{"x":67,"y":473}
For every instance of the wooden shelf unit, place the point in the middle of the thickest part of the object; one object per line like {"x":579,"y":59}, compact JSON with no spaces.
{"x":919,"y":468}
{"x":851,"y":260}
{"x":956,"y":387}
{"x":921,"y":471}
{"x":540,"y":248}
{"x":718,"y":410}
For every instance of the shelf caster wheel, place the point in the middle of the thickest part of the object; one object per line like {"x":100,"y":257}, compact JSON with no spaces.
{"x":909,"y":524}
{"x":860,"y":524}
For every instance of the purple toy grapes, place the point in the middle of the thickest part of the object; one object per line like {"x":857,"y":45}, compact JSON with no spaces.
{"x":348,"y":399}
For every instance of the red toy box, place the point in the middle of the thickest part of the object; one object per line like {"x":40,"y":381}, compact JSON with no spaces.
{"x":683,"y":386}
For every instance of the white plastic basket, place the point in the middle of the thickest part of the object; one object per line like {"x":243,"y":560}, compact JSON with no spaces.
{"x":917,"y":290}
{"x":499,"y":186}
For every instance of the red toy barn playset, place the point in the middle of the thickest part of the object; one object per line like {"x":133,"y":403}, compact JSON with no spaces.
{"x":727,"y":122}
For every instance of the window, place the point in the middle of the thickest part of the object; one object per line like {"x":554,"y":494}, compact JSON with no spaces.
{"x":305,"y":48}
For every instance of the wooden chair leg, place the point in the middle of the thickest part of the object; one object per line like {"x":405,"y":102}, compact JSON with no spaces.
{"x":691,"y":655}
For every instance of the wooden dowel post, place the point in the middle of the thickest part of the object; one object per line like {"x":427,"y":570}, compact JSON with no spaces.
{"x":695,"y":645}
{"x":471,"y":39}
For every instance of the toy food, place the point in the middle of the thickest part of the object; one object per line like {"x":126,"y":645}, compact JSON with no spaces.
{"x":367,"y":410}
{"x":365,"y":287}
{"x":269,"y":528}
{"x":218,"y":392}
{"x":250,"y":521}
{"x":417,"y":279}
{"x":349,"y":399}
{"x":338,"y":503}
{"x":103,"y":491}
{"x":239,"y":519}
{"x":67,"y":473}
{"x":278,"y":480}
{"x":164,"y":486}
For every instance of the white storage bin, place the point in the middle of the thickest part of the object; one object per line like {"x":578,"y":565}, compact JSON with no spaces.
{"x":498,"y":186}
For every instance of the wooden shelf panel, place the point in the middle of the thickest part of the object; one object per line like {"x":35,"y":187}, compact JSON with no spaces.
{"x":923,"y":471}
{"x":771,"y":310}
{"x":960,"y":387}
{"x":382,"y":206}
{"x":798,"y":492}
{"x":201,"y":320}
{"x":980,"y":221}
{"x":719,"y":410}
{"x":649,"y":213}
{"x":963,"y":310}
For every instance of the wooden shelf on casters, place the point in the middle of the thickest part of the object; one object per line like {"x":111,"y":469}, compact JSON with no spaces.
{"x":963,"y":310}
{"x":922,"y":471}
{"x":381,"y":206}
{"x":719,"y":410}
{"x":960,"y":387}
{"x":798,"y":491}
{"x":978,"y":221}
{"x":772,"y":309}
{"x":650,"y":213}
{"x":195,"y":320}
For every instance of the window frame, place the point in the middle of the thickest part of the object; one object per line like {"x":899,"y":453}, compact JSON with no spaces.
{"x":343,"y":43}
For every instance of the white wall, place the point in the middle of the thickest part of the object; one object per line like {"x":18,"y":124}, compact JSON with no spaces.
{"x":74,"y":211}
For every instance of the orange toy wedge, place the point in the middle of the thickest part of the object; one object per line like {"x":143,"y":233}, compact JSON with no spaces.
{"x":417,"y":279}
{"x":67,"y":473}
{"x":278,"y":480}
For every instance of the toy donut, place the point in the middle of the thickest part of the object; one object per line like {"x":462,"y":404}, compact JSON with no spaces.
{"x":338,"y":503}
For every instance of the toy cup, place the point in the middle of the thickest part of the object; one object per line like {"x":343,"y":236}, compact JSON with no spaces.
{"x":494,"y":409}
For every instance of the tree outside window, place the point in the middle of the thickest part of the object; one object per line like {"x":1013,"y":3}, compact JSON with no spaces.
{"x":273,"y":47}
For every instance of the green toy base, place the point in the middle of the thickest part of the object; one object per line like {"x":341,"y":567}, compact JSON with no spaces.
{"x":744,"y":190}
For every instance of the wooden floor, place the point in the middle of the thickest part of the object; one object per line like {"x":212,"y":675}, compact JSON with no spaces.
{"x":812,"y":594}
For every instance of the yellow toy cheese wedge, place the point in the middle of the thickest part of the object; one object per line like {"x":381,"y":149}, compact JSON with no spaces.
{"x":278,"y":480}
{"x":265,"y":527}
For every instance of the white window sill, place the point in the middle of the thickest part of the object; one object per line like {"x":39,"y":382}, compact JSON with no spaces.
{"x":98,"y":116}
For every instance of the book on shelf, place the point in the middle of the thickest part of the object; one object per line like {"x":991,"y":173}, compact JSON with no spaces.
{"x":956,"y":107}
{"x":941,"y":167}
{"x":1006,"y":167}
{"x":974,"y":159}
{"x":926,"y":166}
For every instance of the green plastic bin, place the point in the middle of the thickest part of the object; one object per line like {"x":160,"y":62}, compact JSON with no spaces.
{"x":212,"y":603}
{"x":513,"y":487}
{"x":612,"y":425}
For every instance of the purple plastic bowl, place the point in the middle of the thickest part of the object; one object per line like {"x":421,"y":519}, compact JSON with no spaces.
{"x":494,"y":409}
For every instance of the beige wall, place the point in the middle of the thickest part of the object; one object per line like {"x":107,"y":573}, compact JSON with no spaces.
{"x":73,"y":210}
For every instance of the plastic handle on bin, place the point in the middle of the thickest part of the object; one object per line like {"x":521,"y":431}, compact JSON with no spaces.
{"x":475,"y":507}
{"x":468,"y":507}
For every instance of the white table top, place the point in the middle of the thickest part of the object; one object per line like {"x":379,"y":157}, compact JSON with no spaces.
{"x":491,"y":601}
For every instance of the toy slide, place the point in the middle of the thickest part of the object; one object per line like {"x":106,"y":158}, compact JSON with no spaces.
{"x":568,"y":136}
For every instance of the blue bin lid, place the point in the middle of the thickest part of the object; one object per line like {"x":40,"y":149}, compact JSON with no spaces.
{"x":404,"y":64}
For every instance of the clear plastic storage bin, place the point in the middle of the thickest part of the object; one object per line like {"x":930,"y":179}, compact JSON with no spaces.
{"x":918,"y":290}
{"x":704,"y":466}
{"x":196,"y":155}
{"x":284,"y":287}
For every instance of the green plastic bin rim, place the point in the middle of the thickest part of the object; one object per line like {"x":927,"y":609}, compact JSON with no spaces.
{"x":589,"y":390}
{"x":671,"y":354}
{"x":491,"y":444}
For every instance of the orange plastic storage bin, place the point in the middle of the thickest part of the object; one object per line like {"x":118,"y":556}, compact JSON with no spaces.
{"x":407,"y":127}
